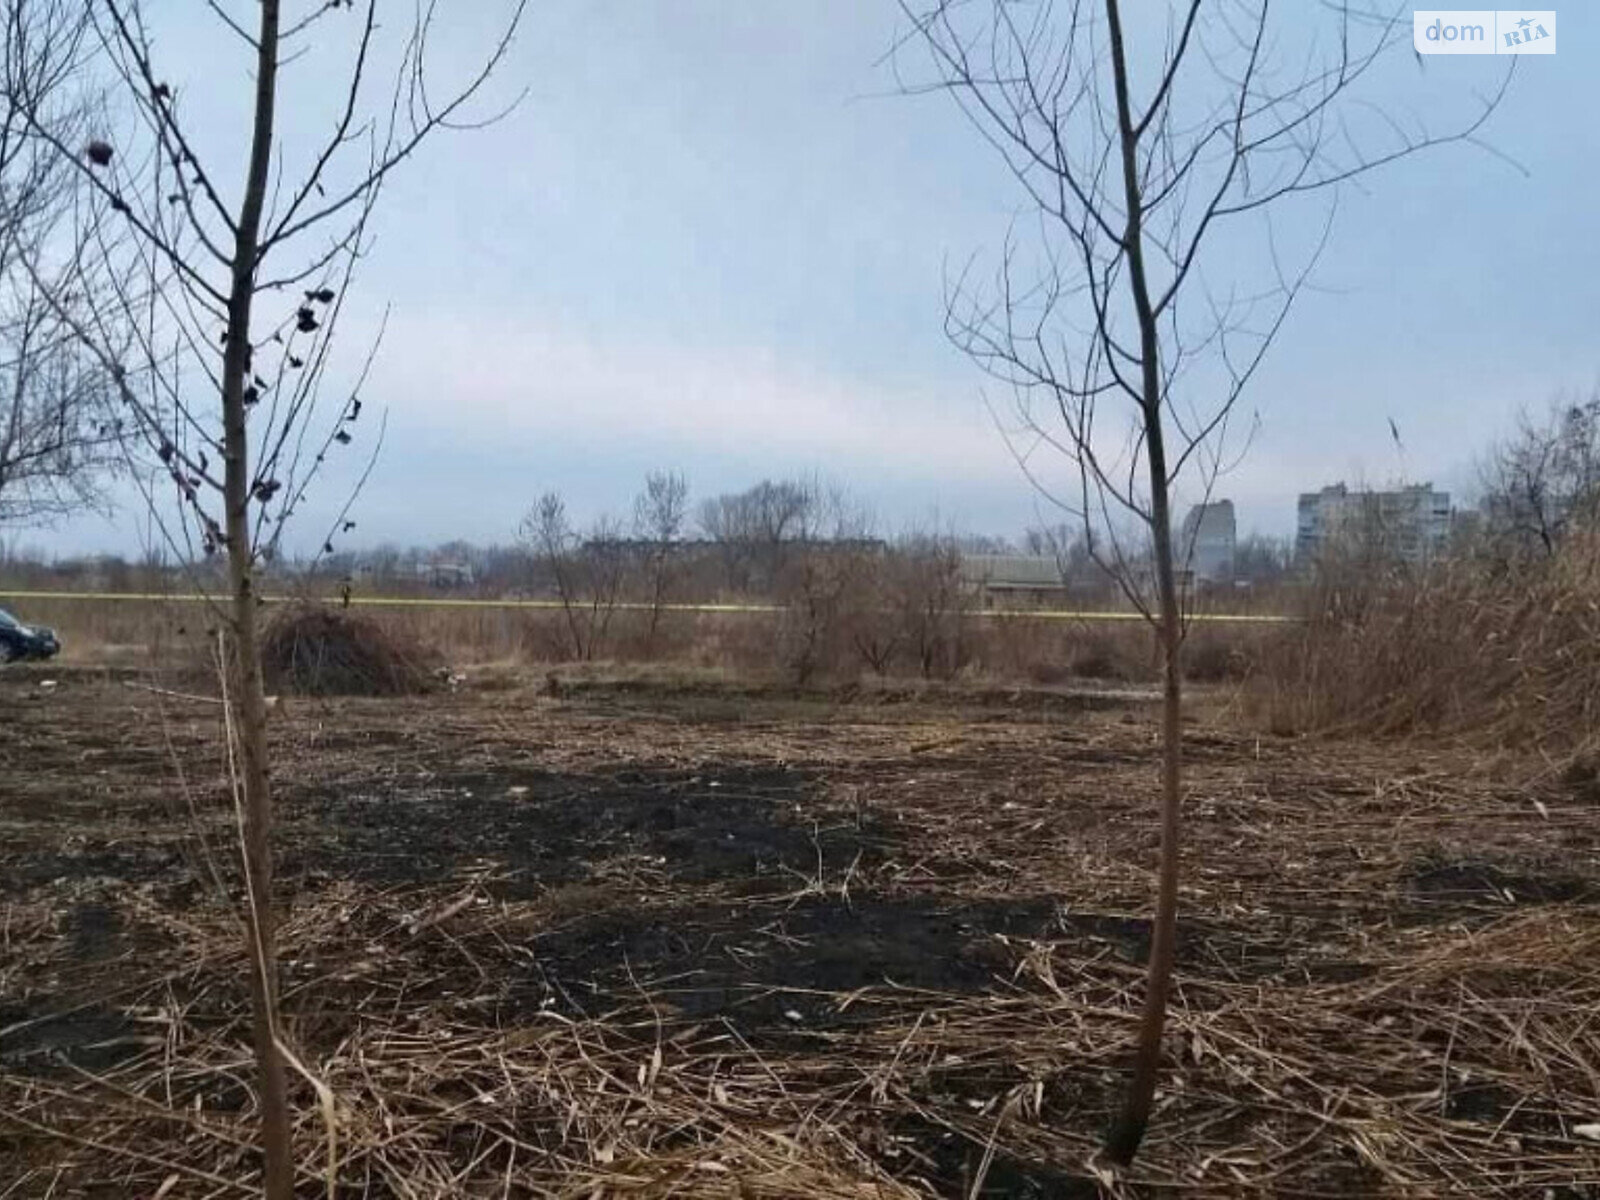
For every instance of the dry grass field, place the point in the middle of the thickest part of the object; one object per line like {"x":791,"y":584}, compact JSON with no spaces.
{"x":644,"y":938}
{"x":1014,"y":649}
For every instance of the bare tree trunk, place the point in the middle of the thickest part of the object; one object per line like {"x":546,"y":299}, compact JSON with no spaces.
{"x":569,"y":609}
{"x":1123,"y":1141}
{"x":1128,"y":1131}
{"x":658,"y":596}
{"x":248,"y":697}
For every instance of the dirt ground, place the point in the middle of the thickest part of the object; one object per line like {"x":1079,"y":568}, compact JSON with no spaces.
{"x":651,"y":941}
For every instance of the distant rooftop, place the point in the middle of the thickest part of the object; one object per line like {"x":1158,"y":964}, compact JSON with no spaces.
{"x":1011,"y":570}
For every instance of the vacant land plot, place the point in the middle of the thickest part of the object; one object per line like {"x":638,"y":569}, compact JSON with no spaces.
{"x":658,"y":942}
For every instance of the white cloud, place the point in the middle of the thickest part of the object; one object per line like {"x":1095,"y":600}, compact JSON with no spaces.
{"x":494,"y":379}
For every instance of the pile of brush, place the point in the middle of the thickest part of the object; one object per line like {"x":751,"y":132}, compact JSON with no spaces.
{"x":313,"y":650}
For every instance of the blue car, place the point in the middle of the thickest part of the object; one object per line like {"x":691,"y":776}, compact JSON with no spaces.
{"x":19,"y":641}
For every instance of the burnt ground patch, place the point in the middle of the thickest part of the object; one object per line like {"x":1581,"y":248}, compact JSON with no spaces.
{"x":1487,"y":1102}
{"x":1464,"y":882}
{"x":89,"y":1038}
{"x":88,"y":858}
{"x":780,"y":966}
{"x":948,"y":1164}
{"x":766,"y":967}
{"x":66,"y":1011}
{"x":758,"y":828}
{"x":95,"y":929}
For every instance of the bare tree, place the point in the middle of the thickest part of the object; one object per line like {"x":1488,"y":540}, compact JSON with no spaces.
{"x":1066,"y":543}
{"x":587,"y":572}
{"x":659,"y":515}
{"x":219,"y":346}
{"x":752,"y":527}
{"x":823,"y":588}
{"x":815,"y":544}
{"x":1544,"y":478}
{"x":1259,"y":559}
{"x":1136,"y":153}
{"x":876,"y":632}
{"x":56,"y":441}
{"x":548,"y":536}
{"x":57,"y":435}
{"x":931,"y":602}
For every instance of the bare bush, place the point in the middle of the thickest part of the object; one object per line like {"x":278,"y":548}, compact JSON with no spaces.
{"x":1214,"y":659}
{"x":876,"y":631}
{"x":933,"y":605}
{"x":587,"y":572}
{"x":816,"y":585}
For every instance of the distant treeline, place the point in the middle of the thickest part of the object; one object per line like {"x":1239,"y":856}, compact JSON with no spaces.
{"x":737,"y":545}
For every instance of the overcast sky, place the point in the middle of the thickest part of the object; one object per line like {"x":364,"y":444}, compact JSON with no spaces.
{"x":712,"y":238}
